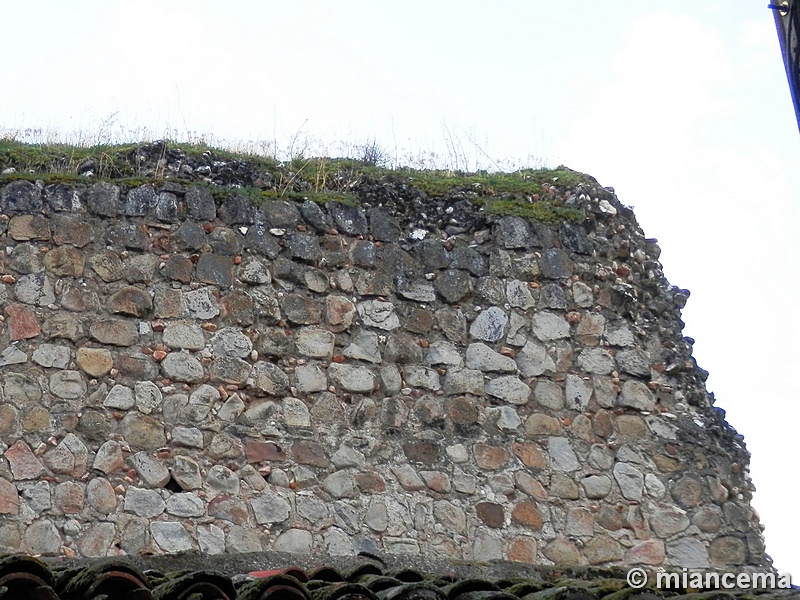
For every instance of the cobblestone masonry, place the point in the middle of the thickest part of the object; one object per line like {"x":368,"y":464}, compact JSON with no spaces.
{"x":184,"y":374}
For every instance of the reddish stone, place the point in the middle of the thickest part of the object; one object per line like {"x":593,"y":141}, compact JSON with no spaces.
{"x":29,"y":227}
{"x":461,"y":411}
{"x":437,"y":481}
{"x":530,"y":486}
{"x":23,"y":324}
{"x":610,"y":518}
{"x":259,"y":451}
{"x":65,"y":262}
{"x":530,"y":454}
{"x":603,"y":423}
{"x":131,"y":301}
{"x":419,"y":320}
{"x":237,"y":307}
{"x":310,"y":453}
{"x":228,"y":508}
{"x":490,"y":513}
{"x":69,"y":498}
{"x":339,"y":312}
{"x":650,"y":552}
{"x":179,"y":268}
{"x":24,"y":465}
{"x":490,"y":457}
{"x":527,"y":514}
{"x":9,"y":498}
{"x":421,"y":452}
{"x":370,"y":482}
{"x":522,"y":549}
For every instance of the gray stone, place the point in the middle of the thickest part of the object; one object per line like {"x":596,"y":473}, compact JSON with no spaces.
{"x":668,"y":522}
{"x":596,"y":361}
{"x":143,"y":503}
{"x":294,"y":541}
{"x":346,"y":456}
{"x":12,"y":356}
{"x":489,"y":325}
{"x":21,"y":197}
{"x":150,"y":469}
{"x":352,"y":378}
{"x":379,"y":314}
{"x":377,"y":517}
{"x":509,"y":389}
{"x":487,"y":545}
{"x":309,"y":379}
{"x":340,"y":484}
{"x":423,"y":377}
{"x":363,"y":347}
{"x":464,"y":381}
{"x":148,"y":396}
{"x":223,"y":479}
{"x":453,"y":285}
{"x":42,"y":538}
{"x":552,"y":295}
{"x":52,"y":356}
{"x":519,"y":294}
{"x":38,"y":496}
{"x":444,"y":353}
{"x":172,"y":537}
{"x":201,"y":304}
{"x":482,"y":357}
{"x":654,"y":486}
{"x":337,"y":542}
{"x":549,"y":394}
{"x":211,"y":539}
{"x":562,"y":456}
{"x":620,"y":335}
{"x":596,"y":486}
{"x":582,"y":295}
{"x":188,"y":437}
{"x":186,"y":472}
{"x":270,"y":509}
{"x":36,"y":289}
{"x":634,"y":362}
{"x":419,"y":291}
{"x":636,"y":394}
{"x":504,"y":417}
{"x":514,"y":232}
{"x":630,"y":481}
{"x":254,"y":271}
{"x":313,"y":215}
{"x":533,"y":360}
{"x":68,"y":385}
{"x":548,"y":326}
{"x":295,"y":413}
{"x":315,"y":342}
{"x":186,"y":505}
{"x":311,"y":508}
{"x":577,"y":392}
{"x":188,"y":336}
{"x":231,"y":342}
{"x":688,"y":553}
{"x":182,"y":366}
{"x":269,"y":378}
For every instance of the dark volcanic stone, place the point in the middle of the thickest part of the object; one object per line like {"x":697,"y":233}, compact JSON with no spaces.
{"x":514,"y":232}
{"x":402,"y":348}
{"x":21,"y":196}
{"x":261,"y":241}
{"x":215,"y":269}
{"x":301,"y":310}
{"x":280,"y":213}
{"x":62,"y":197}
{"x":313,"y":215}
{"x":469,"y":259}
{"x":556,"y":264}
{"x":127,"y":235}
{"x":179,"y":268}
{"x":432,"y":255}
{"x":304,"y":247}
{"x":200,"y":204}
{"x":104,"y":199}
{"x":224,"y":241}
{"x":573,"y":237}
{"x":237,"y":209}
{"x":189,"y":236}
{"x":141,"y":201}
{"x":552,"y":295}
{"x":383,"y":227}
{"x":348,"y":219}
{"x":453,"y":285}
{"x":167,"y":209}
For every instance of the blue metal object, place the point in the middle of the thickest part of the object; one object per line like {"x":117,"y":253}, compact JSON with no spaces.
{"x":787,"y":21}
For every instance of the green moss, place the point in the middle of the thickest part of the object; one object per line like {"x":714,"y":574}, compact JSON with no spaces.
{"x":535,"y":194}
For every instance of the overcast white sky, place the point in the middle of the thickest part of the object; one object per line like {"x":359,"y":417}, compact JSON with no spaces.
{"x":683,"y":107}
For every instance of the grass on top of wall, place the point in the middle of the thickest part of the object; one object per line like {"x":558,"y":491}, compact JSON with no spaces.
{"x":535,"y":194}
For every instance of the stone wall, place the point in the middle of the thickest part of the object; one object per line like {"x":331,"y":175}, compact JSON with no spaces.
{"x":181,"y":372}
